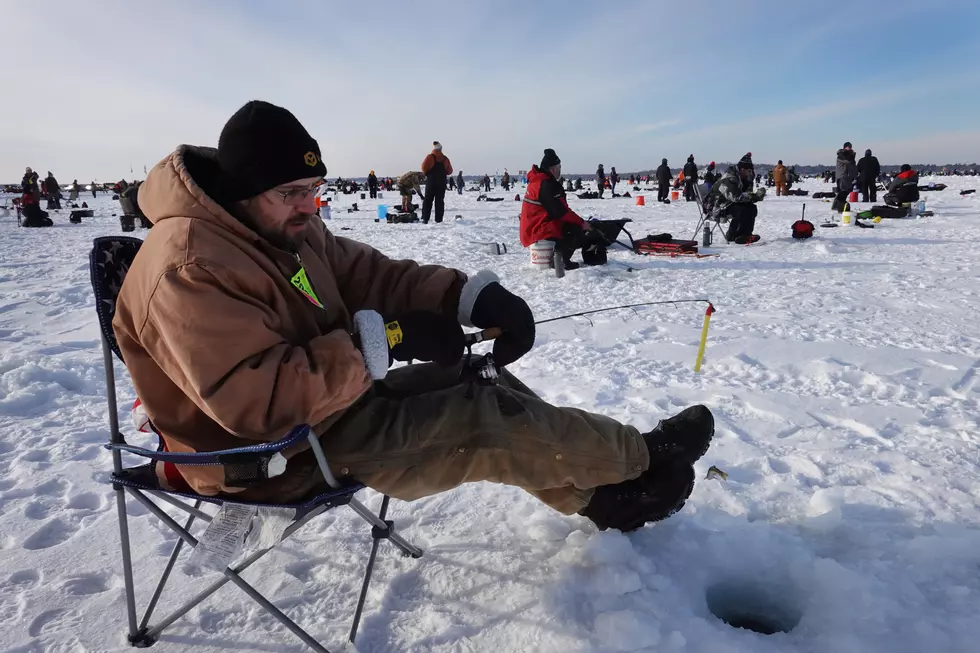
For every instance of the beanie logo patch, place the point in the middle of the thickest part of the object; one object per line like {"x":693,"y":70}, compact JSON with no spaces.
{"x":311,"y":159}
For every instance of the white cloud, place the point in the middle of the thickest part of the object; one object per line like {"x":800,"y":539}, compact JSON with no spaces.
{"x":657,"y":126}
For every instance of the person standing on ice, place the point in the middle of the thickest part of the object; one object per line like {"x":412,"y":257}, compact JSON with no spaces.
{"x":847,"y":175}
{"x":53,"y":191}
{"x":779,"y":178}
{"x":868,"y":170}
{"x":436,"y":167}
{"x":545,"y":214}
{"x":243,"y":316}
{"x":690,"y":178}
{"x":486,"y":183}
{"x":94,"y":188}
{"x":730,"y":198}
{"x":600,"y":180}
{"x":613,"y":180}
{"x":460,"y":183}
{"x":505,"y":180}
{"x":372,"y":181}
{"x":663,"y":179}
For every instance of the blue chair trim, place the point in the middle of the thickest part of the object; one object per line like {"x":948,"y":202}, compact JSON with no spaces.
{"x":295,"y":435}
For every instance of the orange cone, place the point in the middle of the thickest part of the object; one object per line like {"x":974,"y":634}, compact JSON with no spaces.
{"x":640,"y":200}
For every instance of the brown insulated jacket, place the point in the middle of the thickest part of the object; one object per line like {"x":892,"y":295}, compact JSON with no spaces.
{"x":779,"y":174}
{"x":221,"y":347}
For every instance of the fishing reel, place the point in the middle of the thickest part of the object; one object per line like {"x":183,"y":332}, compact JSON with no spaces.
{"x":479,"y":369}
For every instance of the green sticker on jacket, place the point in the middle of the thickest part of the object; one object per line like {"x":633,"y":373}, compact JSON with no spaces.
{"x":302,"y":284}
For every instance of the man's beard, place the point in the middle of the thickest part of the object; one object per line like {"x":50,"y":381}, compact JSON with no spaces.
{"x":290,"y":241}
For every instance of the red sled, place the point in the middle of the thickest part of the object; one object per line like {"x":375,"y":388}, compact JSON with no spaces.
{"x":672,"y":248}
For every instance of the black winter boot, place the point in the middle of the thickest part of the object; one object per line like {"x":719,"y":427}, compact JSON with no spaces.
{"x":685,"y":436}
{"x":655,"y":495}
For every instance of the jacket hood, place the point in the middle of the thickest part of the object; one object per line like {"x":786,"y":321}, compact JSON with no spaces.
{"x":845,"y":154}
{"x":536,"y":174}
{"x":185,"y":185}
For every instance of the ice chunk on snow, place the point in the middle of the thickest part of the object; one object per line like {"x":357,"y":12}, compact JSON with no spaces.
{"x":823,"y":511}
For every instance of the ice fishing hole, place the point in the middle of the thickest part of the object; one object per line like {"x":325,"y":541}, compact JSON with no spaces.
{"x":762,"y":608}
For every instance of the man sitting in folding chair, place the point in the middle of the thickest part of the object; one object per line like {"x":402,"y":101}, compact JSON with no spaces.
{"x":242,"y":316}
{"x":729,"y":198}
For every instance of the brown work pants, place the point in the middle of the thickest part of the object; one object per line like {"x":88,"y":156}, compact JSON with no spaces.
{"x":420,"y":432}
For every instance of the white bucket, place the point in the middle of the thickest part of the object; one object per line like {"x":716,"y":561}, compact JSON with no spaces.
{"x":848,"y":218}
{"x":542,"y":254}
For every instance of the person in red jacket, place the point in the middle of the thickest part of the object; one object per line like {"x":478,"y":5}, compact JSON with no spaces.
{"x":545,"y":214}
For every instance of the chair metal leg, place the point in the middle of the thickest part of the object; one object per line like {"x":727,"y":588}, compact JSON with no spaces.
{"x":115,"y":438}
{"x":127,"y":564}
{"x":377,"y":534}
{"x":274,"y":611}
{"x":178,"y":545}
{"x":166,"y":498}
{"x":406,"y":547}
{"x":150,"y":635}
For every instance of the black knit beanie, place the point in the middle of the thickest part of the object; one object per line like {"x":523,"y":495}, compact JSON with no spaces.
{"x":263,"y":146}
{"x":746,"y":161}
{"x":549,"y":159}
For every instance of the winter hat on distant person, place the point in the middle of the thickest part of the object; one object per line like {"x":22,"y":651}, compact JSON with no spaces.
{"x":847,"y":145}
{"x":263,"y":146}
{"x":867,"y":152}
{"x":906,"y":167}
{"x":745,"y":161}
{"x":663,"y":162}
{"x":549,"y":159}
{"x":690,"y":158}
{"x":437,"y":146}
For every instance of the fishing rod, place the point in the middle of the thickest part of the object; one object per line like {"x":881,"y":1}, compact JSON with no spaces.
{"x":495,"y":332}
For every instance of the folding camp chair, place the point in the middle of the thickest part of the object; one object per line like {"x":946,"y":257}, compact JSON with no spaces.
{"x":715,"y":224}
{"x":110,"y":260}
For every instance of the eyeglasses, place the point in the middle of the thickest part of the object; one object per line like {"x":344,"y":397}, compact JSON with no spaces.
{"x":297,"y":196}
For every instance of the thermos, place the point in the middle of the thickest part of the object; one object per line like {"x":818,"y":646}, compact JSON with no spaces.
{"x":706,"y":236}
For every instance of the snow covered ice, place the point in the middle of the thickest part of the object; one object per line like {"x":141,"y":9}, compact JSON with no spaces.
{"x":842,"y":372}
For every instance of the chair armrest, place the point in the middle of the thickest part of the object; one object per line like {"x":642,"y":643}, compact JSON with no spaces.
{"x":265,"y":460}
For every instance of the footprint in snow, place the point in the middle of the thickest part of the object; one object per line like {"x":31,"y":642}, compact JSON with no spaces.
{"x":86,"y":584}
{"x":51,"y":621}
{"x":53,"y":533}
{"x":85,"y":501}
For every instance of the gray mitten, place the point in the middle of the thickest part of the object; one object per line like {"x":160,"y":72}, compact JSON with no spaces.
{"x":370,"y":337}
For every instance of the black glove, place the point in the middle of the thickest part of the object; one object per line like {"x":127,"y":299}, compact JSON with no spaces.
{"x":426,"y":337}
{"x":495,"y":306}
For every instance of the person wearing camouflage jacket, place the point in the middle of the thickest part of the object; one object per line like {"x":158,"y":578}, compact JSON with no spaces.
{"x":730,"y":198}
{"x":407,"y":183}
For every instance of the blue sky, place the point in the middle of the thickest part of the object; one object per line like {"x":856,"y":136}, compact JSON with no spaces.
{"x":116,"y":84}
